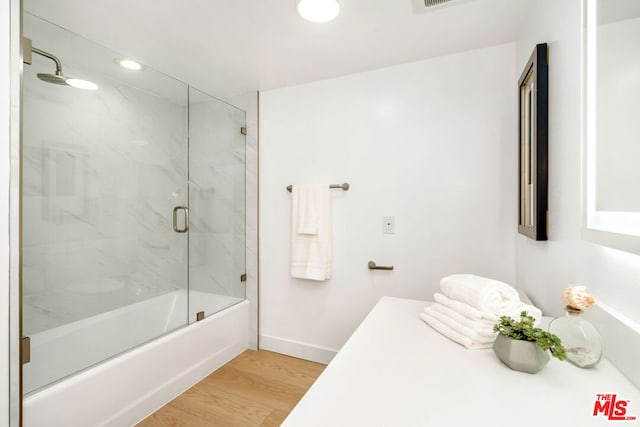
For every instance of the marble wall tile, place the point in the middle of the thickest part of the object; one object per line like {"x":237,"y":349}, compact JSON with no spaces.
{"x":217,"y":198}
{"x":249,"y":103}
{"x":102,"y":172}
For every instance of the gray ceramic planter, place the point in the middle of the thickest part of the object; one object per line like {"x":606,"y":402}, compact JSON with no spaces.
{"x":524,"y":356}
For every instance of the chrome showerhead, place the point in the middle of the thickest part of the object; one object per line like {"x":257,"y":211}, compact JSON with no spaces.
{"x":57,"y":79}
{"x":431,"y":3}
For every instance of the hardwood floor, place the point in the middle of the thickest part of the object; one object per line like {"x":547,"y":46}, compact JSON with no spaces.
{"x":257,"y":388}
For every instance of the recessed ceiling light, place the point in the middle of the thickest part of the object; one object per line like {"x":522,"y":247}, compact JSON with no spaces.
{"x":129,"y":64}
{"x":82,"y":84}
{"x":318,"y":11}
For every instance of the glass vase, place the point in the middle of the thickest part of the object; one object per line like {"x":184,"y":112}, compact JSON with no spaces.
{"x":579,"y":337}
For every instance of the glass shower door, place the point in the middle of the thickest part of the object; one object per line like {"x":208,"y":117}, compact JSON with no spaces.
{"x":103,"y":269}
{"x":217,"y":205}
{"x":133,"y":218}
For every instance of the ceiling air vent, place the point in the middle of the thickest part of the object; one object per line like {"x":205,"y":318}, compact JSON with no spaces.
{"x":431,"y":3}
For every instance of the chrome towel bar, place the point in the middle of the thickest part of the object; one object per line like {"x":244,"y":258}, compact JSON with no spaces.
{"x":345,"y":186}
{"x":372,"y":266}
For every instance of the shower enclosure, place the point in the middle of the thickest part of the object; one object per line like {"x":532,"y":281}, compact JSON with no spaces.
{"x":133,"y":206}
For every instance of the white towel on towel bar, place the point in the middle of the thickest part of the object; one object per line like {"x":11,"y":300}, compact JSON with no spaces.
{"x":311,"y":238}
{"x":309,"y":201}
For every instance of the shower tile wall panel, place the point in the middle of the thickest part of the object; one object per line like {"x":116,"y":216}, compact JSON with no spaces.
{"x":102,"y":173}
{"x":249,"y":103}
{"x":252,"y":216}
{"x":217,"y":199}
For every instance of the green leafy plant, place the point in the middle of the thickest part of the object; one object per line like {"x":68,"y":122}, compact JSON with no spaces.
{"x":525,"y":330}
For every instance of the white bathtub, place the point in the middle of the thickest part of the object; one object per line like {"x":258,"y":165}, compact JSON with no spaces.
{"x":125,"y":389}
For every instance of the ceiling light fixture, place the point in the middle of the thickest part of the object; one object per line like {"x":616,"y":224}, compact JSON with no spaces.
{"x":129,"y":64}
{"x":318,"y":11}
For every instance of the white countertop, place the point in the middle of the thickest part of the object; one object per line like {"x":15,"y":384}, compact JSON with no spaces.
{"x":395,"y":370}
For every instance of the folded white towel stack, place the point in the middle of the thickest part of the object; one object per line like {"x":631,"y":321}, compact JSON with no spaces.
{"x":469,"y":306}
{"x":311,"y":232}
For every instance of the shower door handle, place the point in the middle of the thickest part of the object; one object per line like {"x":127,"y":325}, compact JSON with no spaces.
{"x":186,"y":219}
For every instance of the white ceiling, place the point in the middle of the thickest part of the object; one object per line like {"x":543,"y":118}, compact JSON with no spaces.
{"x":228,"y":47}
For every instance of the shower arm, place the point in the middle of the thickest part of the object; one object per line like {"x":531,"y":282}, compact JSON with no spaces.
{"x":51,"y":57}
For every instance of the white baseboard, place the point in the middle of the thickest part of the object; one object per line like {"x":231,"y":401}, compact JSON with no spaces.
{"x":298,"y":349}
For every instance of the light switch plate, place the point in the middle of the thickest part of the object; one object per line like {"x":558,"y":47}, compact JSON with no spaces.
{"x":389,"y":224}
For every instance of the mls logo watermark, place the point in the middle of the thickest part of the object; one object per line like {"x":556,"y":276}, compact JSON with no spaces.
{"x":614,"y":409}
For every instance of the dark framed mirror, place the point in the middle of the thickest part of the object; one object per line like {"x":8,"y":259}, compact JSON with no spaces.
{"x":533,"y":145}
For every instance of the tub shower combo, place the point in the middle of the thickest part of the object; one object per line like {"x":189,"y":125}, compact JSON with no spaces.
{"x":133,"y":229}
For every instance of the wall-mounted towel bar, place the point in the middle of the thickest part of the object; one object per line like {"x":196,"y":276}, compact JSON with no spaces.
{"x":345,"y":186}
{"x":372,"y":266}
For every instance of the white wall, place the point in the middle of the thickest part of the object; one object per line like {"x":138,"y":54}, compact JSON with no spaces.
{"x":9,"y":173}
{"x":544,"y":269}
{"x":5,"y":60}
{"x":430,"y":142}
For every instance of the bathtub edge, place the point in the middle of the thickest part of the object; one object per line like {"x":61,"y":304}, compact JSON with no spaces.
{"x":113,"y":394}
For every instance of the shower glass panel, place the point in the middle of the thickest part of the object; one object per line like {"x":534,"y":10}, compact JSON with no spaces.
{"x":110,"y":257}
{"x":217,"y":204}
